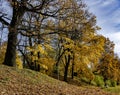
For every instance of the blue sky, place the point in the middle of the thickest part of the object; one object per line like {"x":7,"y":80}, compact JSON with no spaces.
{"x":108,"y":18}
{"x":6,"y":9}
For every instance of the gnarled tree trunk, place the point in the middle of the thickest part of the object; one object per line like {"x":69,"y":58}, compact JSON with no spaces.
{"x":10,"y":56}
{"x":18,"y":12}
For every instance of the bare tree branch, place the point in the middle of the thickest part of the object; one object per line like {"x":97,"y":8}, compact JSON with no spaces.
{"x":3,"y":21}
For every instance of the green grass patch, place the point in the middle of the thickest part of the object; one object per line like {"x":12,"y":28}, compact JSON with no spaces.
{"x":115,"y":90}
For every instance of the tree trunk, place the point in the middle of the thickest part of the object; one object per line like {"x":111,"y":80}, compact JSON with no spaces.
{"x":66,"y":67}
{"x":10,"y":56}
{"x":72,"y":75}
{"x":18,"y":12}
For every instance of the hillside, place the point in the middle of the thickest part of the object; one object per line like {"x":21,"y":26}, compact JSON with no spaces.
{"x":27,"y":82}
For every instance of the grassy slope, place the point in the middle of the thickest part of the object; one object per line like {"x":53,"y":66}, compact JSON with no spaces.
{"x":27,"y":82}
{"x":114,"y":90}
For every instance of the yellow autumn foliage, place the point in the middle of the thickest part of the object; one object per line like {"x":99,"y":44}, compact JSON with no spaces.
{"x":19,"y":63}
{"x":47,"y":64}
{"x":37,"y":48}
{"x":108,"y":65}
{"x":40,"y":49}
{"x":48,"y":47}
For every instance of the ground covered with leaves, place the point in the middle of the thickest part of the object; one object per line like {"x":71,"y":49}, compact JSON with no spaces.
{"x":28,"y":82}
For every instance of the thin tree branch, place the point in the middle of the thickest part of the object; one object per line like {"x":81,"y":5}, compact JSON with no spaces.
{"x":3,"y":21}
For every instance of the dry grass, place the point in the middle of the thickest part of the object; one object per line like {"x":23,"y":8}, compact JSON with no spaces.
{"x":27,"y":82}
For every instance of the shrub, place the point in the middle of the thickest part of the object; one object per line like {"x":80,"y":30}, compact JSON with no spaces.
{"x":113,"y":83}
{"x":108,"y":83}
{"x":99,"y":81}
{"x":93,"y":83}
{"x":84,"y":79}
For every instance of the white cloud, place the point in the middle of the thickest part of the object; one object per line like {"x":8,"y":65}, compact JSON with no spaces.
{"x":116,"y":38}
{"x":97,"y":2}
{"x":115,"y":16}
{"x":108,"y":2}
